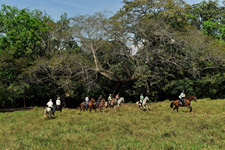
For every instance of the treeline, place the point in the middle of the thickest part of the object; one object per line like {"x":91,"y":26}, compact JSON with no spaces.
{"x":154,"y":47}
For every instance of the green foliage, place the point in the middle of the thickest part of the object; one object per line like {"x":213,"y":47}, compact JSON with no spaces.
{"x":209,"y":17}
{"x":23,"y":32}
{"x":157,"y":47}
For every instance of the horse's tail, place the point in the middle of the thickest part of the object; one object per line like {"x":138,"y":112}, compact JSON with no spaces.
{"x":81,"y":106}
{"x":171,"y":105}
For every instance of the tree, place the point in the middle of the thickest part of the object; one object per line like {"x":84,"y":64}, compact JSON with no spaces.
{"x":21,"y":42}
{"x":209,"y":17}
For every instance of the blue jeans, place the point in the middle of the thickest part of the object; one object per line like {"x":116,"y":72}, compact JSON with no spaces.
{"x":53,"y":109}
{"x":86,"y":104}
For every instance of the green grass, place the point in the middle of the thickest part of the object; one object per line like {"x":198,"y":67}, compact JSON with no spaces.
{"x":126,"y":128}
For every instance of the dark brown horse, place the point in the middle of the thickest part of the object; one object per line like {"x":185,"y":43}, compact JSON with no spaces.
{"x":59,"y":107}
{"x":102,"y":104}
{"x":187,"y":103}
{"x":91,"y":105}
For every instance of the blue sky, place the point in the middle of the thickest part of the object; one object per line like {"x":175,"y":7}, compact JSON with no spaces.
{"x":56,"y":8}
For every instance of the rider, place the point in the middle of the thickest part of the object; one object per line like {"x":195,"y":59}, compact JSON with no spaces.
{"x":117,"y":97}
{"x":58,"y":103}
{"x":50,"y":105}
{"x":182,"y":97}
{"x":86,"y":101}
{"x":99,"y":100}
{"x":141,"y":99}
{"x":109,"y":98}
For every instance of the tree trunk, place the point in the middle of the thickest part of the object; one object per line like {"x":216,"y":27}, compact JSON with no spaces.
{"x":117,"y":88}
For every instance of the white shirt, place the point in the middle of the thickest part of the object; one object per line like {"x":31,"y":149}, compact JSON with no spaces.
{"x":181,"y":95}
{"x":87,"y":99}
{"x":58,"y":102}
{"x":50,"y":104}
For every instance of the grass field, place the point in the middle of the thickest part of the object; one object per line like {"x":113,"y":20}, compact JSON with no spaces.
{"x":126,"y":128}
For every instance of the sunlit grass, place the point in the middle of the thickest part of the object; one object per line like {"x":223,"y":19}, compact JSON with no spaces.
{"x":126,"y":128}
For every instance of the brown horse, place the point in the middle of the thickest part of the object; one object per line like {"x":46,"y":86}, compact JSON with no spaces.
{"x":187,"y":103}
{"x":102,"y":104}
{"x":91,"y":105}
{"x":112,"y":103}
{"x":82,"y":106}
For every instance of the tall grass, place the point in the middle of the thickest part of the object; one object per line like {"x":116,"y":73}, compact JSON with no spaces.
{"x":126,"y":128}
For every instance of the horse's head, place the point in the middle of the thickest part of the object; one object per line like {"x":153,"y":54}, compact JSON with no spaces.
{"x":193,"y":98}
{"x":92,"y":100}
{"x":122,"y":99}
{"x":146,"y":98}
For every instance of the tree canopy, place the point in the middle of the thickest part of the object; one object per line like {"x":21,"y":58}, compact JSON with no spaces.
{"x":155,"y":47}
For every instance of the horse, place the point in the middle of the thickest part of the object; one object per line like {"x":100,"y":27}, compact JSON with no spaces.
{"x":58,"y":107}
{"x":187,"y":103}
{"x":48,"y":113}
{"x":91,"y":105}
{"x":121,"y":100}
{"x":112,"y":103}
{"x":144,"y":103}
{"x":101,"y":104}
{"x":82,"y":106}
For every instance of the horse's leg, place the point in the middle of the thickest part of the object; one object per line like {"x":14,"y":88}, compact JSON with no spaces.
{"x":174,"y":108}
{"x":177,"y":108}
{"x":45,"y":113}
{"x":118,"y":106}
{"x":190,"y":108}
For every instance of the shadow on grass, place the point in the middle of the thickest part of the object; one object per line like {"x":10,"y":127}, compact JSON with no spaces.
{"x":50,"y":118}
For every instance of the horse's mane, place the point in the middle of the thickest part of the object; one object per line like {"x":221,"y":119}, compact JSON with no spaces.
{"x":92,"y":99}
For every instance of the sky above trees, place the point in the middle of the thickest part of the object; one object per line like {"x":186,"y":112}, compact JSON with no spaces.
{"x":55,"y":8}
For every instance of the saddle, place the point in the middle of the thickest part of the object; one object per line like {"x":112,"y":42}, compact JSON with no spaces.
{"x":140,"y":103}
{"x":58,"y":106}
{"x":180,"y":103}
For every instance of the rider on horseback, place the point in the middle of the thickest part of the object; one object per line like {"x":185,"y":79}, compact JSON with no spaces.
{"x":182,"y":97}
{"x":86,"y":101}
{"x":50,"y":105}
{"x":117,"y":98}
{"x":141,"y":99}
{"x":58,"y":103}
{"x":109,"y":98}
